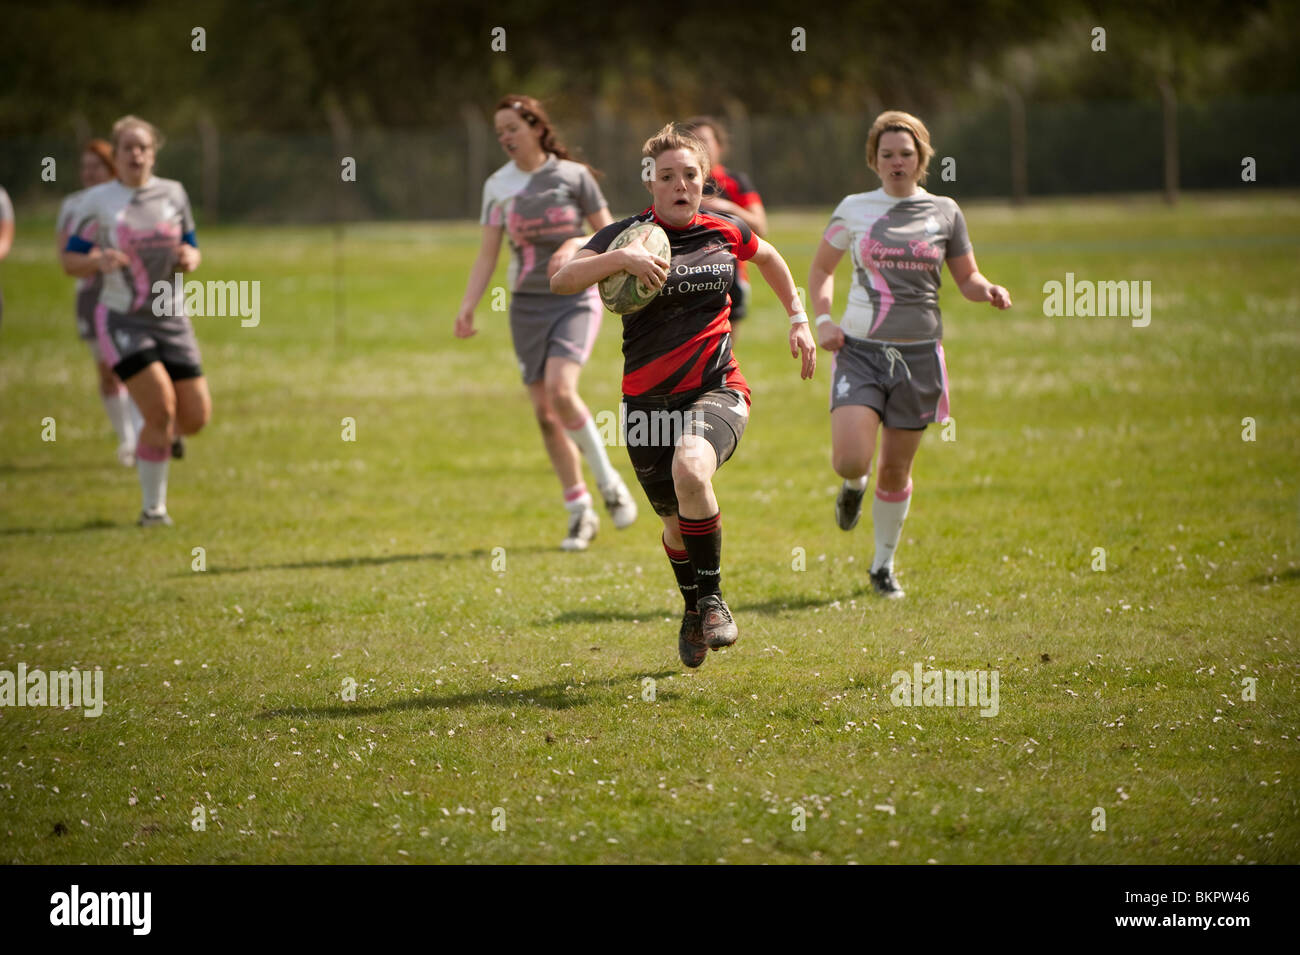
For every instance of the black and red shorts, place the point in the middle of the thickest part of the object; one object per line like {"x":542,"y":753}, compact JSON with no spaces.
{"x":653,"y":428}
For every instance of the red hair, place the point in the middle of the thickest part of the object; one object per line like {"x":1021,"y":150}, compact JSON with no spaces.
{"x":103,"y":152}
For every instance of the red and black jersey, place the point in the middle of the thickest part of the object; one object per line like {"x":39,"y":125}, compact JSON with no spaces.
{"x":735,"y":186}
{"x":681,"y":341}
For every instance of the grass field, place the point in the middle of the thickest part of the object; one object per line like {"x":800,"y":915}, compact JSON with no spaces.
{"x":517,"y":696}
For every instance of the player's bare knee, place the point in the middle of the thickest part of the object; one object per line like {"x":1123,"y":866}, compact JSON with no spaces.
{"x":893,"y":477}
{"x":562,"y":397}
{"x":850,"y":465}
{"x":691,"y":474}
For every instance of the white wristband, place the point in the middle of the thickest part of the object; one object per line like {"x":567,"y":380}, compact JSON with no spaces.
{"x":823,"y":318}
{"x":799,"y":318}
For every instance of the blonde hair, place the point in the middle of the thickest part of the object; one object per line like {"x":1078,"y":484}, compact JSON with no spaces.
{"x":130,"y":122}
{"x":896,"y":121}
{"x":677,"y":136}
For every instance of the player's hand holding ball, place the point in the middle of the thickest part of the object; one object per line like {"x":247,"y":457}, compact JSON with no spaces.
{"x":651,"y":269}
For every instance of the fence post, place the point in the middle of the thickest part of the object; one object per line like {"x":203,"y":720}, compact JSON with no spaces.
{"x":741,"y":149}
{"x":209,"y":165}
{"x":1019,"y":144}
{"x":342,"y":136}
{"x":1169,"y":110}
{"x":475,"y":156}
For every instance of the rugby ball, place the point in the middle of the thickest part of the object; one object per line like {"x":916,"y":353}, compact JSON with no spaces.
{"x":622,"y":292}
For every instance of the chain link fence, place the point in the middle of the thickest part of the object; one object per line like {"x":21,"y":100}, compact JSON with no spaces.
{"x":796,"y":161}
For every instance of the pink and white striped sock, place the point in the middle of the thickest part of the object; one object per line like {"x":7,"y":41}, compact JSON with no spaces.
{"x":888,"y":511}
{"x":151,"y":464}
{"x":576,"y":498}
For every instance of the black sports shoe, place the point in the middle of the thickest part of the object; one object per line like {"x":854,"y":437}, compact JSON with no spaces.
{"x":848,"y":507}
{"x":178,"y":447}
{"x":691,"y":646}
{"x":883,"y":582}
{"x":715,"y":619}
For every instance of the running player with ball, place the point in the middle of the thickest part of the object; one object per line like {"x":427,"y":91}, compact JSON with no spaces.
{"x":888,"y":374}
{"x":678,"y":366}
{"x":539,"y":199}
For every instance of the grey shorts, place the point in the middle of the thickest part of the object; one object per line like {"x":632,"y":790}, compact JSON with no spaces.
{"x":905,"y":383}
{"x":543,"y":326}
{"x":129,"y":343}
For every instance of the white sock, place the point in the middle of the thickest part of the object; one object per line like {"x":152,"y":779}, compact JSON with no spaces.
{"x":137,"y":419}
{"x":857,"y":484}
{"x":887,"y":514}
{"x":118,"y":408}
{"x":577,"y":498}
{"x":151,"y":464}
{"x":587,"y":438}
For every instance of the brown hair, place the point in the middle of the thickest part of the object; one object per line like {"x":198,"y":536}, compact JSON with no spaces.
{"x":532,"y":113}
{"x":128,"y":122}
{"x":677,"y":136}
{"x":896,"y":121}
{"x":103,"y":152}
{"x":719,"y":131}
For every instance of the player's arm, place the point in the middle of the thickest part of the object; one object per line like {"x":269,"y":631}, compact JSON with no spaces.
{"x":821,"y":289}
{"x":777,"y":275}
{"x":754,"y":216}
{"x":6,"y":237}
{"x":974,"y":286}
{"x":565,"y":253}
{"x":480,"y":274}
{"x":588,"y":267}
{"x":81,"y":259}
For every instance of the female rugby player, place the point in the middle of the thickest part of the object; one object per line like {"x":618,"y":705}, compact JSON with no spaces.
{"x":137,"y":230}
{"x":678,"y":365}
{"x":97,"y":167}
{"x":539,"y":198}
{"x":888,"y":373}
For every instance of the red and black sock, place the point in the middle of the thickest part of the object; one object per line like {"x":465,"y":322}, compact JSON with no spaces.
{"x":703,"y":539}
{"x":684,"y":573}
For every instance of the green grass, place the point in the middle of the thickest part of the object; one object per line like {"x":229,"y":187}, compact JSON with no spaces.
{"x":522,"y":690}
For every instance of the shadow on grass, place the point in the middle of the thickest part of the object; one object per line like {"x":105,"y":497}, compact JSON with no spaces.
{"x":96,"y":525}
{"x":561,"y":695}
{"x":1288,"y":576}
{"x":343,"y":563}
{"x":774,"y":605}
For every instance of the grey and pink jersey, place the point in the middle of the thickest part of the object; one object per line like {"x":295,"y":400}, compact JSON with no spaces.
{"x":898,"y":248}
{"x":148,"y":224}
{"x":539,"y":210}
{"x":64,"y":225}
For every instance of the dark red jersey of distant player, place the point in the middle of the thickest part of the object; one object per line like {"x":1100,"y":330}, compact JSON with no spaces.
{"x":735,"y":186}
{"x":681,"y":341}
